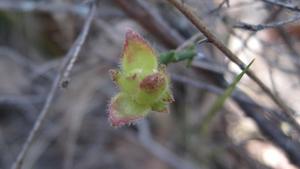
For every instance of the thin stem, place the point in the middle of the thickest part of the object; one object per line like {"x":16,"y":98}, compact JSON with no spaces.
{"x":289,"y":6}
{"x":184,"y":9}
{"x":259,"y":27}
{"x":72,"y":55}
{"x":73,"y":52}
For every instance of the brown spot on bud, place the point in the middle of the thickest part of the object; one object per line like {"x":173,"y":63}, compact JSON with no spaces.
{"x":153,"y":82}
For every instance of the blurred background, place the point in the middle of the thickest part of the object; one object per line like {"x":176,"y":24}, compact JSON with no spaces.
{"x":250,"y":131}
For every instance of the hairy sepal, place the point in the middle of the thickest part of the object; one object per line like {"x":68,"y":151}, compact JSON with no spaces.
{"x":138,"y":54}
{"x":123,"y":110}
{"x":143,"y":86}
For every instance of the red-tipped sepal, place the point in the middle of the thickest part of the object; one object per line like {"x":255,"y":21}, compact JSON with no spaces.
{"x":123,"y":110}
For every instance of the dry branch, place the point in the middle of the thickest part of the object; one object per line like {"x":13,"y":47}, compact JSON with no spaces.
{"x":289,"y":6}
{"x":65,"y":66}
{"x":271,"y":131}
{"x":185,"y":9}
{"x":260,"y":114}
{"x":260,"y":27}
{"x":142,"y":12}
{"x":31,"y":6}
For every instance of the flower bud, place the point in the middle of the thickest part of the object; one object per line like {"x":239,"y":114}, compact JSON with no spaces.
{"x":143,"y":86}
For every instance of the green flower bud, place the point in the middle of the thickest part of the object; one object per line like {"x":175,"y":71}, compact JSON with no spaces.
{"x":143,"y":86}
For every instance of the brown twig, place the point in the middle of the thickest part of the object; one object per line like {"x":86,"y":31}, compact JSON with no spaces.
{"x":149,"y":18}
{"x":289,"y":6}
{"x":271,"y":131}
{"x":220,"y":6}
{"x":259,"y":27}
{"x":273,"y":15}
{"x":183,"y":8}
{"x":260,"y":114}
{"x":192,"y":40}
{"x":73,"y":52}
{"x":32,"y":6}
{"x":79,"y":9}
{"x":72,"y":55}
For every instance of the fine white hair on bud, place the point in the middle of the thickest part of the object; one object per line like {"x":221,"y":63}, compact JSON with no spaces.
{"x":143,"y":84}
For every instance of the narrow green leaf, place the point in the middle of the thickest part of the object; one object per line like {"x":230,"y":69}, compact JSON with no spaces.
{"x":221,"y":100}
{"x":177,"y":56}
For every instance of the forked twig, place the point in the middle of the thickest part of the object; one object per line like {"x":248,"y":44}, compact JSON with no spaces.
{"x":259,"y":27}
{"x":65,"y":67}
{"x":185,"y":9}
